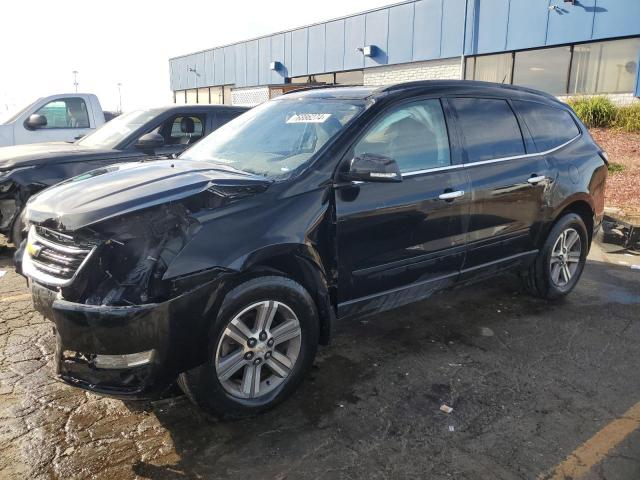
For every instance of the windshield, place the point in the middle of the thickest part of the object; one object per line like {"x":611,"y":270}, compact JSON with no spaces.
{"x":12,"y":115}
{"x":277,"y":137}
{"x":113,"y":132}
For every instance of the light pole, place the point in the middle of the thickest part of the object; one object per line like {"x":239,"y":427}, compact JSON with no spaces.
{"x":75,"y":79}
{"x":119,"y":97}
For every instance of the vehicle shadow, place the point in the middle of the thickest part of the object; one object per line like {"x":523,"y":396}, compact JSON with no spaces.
{"x":358,"y":382}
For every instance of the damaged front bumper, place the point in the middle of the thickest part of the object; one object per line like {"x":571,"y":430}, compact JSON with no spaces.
{"x":129,"y":352}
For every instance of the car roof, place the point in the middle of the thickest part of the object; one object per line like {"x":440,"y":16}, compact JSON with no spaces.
{"x":435,"y":87}
{"x":195,"y":108}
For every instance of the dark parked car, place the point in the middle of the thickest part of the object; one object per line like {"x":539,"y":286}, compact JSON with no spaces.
{"x":156,"y":133}
{"x":227,"y":267}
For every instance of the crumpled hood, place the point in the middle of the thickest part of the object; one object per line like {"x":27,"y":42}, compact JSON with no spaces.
{"x":37,"y":153}
{"x":123,"y":188}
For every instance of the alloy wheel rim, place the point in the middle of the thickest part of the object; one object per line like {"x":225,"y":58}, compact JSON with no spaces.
{"x":565,"y":257}
{"x":258,"y":349}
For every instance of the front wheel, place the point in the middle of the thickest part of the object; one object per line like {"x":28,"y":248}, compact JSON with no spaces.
{"x":261,"y":344}
{"x":17,"y":229}
{"x":561,"y":260}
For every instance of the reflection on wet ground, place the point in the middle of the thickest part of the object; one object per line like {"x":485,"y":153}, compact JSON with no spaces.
{"x":528,"y":382}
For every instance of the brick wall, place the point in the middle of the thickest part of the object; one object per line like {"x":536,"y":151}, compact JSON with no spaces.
{"x":408,"y":72}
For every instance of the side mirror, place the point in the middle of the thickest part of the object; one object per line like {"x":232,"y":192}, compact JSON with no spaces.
{"x":371,"y":167}
{"x":36,"y":121}
{"x":150,"y":141}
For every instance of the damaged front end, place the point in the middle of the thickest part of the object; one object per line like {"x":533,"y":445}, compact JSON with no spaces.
{"x":122,"y":328}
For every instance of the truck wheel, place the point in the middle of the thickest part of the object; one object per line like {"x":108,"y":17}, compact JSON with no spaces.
{"x":17,"y":229}
{"x":561,"y":259}
{"x":261,"y":344}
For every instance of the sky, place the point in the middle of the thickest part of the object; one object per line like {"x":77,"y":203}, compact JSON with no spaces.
{"x":130,"y":42}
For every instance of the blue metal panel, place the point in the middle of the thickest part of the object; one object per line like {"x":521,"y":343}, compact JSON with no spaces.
{"x":184,"y":72}
{"x":241,"y":64}
{"x":637,"y":87}
{"x":277,"y":55}
{"x":218,"y":69}
{"x":334,"y":40}
{"x":264,"y":58}
{"x":229,"y":65}
{"x":316,"y":49}
{"x":299,"y":49}
{"x":491,"y":21}
{"x":174,"y":76}
{"x":287,"y":53}
{"x":427,"y":26}
{"x":377,"y":33}
{"x":570,"y":23}
{"x":616,"y":18}
{"x":354,"y":28}
{"x":452,"y":28}
{"x":252,"y":63}
{"x":527,"y":24}
{"x":199,"y":75}
{"x":400,"y":41}
{"x":209,"y":68}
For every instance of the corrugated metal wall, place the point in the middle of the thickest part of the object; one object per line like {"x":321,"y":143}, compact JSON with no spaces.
{"x":411,"y":31}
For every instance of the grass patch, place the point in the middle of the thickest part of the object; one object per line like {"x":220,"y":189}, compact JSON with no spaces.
{"x":615,"y":168}
{"x":628,"y":118}
{"x":595,"y":112}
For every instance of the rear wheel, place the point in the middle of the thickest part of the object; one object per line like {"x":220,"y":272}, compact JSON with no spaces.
{"x":561,"y":260}
{"x":261,"y":344}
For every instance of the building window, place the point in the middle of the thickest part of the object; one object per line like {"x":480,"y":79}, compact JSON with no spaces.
{"x":545,"y":69}
{"x":192,"y":96}
{"x":203,"y":95}
{"x":226,"y":94}
{"x":490,"y":68}
{"x":353,"y":77}
{"x":605,"y":67}
{"x":179,"y":97}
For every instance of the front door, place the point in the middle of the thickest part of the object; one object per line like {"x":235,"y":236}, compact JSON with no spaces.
{"x":68,"y":119}
{"x":397,"y":242}
{"x":508,"y":183}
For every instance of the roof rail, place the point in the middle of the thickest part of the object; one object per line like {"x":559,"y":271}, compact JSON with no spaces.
{"x":316,"y":87}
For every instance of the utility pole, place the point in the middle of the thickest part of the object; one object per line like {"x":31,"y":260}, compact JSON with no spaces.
{"x":75,"y":79}
{"x":119,"y":97}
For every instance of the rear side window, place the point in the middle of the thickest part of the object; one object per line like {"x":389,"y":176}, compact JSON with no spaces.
{"x":489,"y":128}
{"x":550,"y":127}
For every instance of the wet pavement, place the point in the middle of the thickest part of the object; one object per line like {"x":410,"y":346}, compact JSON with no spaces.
{"x":529,"y":382}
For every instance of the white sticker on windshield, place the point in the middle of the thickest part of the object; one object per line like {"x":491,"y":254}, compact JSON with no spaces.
{"x":309,"y":118}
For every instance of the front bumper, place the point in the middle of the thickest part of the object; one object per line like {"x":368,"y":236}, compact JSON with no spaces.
{"x":130,"y":352}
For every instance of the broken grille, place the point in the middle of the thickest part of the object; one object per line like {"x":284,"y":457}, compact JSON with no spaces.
{"x":54,"y":258}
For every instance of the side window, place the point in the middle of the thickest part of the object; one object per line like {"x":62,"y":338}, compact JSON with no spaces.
{"x":65,"y":113}
{"x":185,"y":130}
{"x":489,"y":128}
{"x":221,"y":118}
{"x":414,"y":135}
{"x":550,"y":127}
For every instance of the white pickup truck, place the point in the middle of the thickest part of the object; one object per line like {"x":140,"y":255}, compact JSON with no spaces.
{"x":64,"y":117}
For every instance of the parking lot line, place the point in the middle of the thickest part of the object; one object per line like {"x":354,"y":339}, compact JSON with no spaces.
{"x":591,"y":452}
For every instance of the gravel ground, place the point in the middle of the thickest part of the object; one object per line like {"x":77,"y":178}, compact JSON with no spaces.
{"x":528,"y":381}
{"x":623,"y":188}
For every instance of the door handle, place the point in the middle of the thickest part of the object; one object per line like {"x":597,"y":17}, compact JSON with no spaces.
{"x":536,"y":179}
{"x":451,"y":195}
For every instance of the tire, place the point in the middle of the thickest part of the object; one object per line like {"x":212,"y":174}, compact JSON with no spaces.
{"x":285,"y":301}
{"x":17,"y":229}
{"x":546,"y":278}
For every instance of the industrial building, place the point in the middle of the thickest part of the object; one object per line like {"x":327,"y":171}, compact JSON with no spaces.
{"x":564,"y":47}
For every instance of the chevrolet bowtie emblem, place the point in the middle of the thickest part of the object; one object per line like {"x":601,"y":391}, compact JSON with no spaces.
{"x":34,"y":250}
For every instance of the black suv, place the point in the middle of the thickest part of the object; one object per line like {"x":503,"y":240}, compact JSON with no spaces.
{"x":226,"y":267}
{"x":159,"y":132}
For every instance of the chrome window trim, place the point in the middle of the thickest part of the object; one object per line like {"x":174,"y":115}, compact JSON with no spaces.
{"x":493,"y":160}
{"x":30,"y":270}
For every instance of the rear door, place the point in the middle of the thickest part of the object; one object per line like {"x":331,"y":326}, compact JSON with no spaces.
{"x":509,"y":183}
{"x":397,"y":242}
